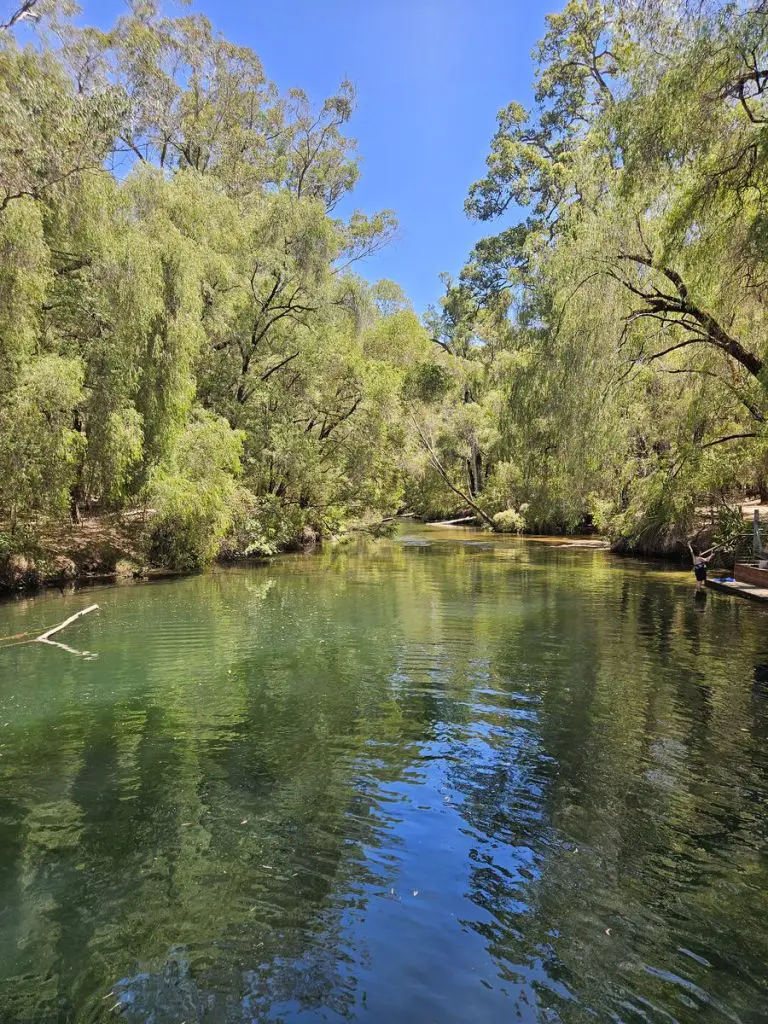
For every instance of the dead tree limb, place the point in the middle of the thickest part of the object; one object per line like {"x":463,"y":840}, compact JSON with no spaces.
{"x":45,"y":638}
{"x":449,"y":483}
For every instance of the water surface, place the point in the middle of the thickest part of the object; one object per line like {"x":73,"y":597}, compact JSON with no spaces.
{"x":431,"y":779}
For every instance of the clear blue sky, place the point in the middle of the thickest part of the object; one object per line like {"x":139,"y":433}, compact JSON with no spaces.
{"x":430,"y":76}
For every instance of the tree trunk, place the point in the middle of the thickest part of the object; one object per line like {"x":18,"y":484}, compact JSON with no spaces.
{"x":479,"y":483}
{"x":76,"y":492}
{"x":74,"y":506}
{"x":471,"y":477}
{"x":475,"y":472}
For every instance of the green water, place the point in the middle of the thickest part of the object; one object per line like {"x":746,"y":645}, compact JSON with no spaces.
{"x":449,"y":781}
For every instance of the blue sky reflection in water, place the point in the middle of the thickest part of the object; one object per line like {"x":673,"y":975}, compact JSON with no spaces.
{"x":448,"y":781}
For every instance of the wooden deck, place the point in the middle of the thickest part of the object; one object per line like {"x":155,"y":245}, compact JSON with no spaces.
{"x":739,"y":589}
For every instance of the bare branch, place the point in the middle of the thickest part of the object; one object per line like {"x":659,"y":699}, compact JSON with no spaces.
{"x":27,"y":10}
{"x":730,"y":437}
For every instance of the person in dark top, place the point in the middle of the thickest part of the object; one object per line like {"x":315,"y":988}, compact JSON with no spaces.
{"x":700,"y":563}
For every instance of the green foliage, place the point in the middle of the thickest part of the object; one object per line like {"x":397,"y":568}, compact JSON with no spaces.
{"x":427,"y":382}
{"x":189,"y":524}
{"x":193,"y":497}
{"x":38,"y":447}
{"x":180,"y":320}
{"x":510,"y":520}
{"x":731,"y":530}
{"x":616,"y":335}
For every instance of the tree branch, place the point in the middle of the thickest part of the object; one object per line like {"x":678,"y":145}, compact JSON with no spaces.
{"x":681,"y":309}
{"x":730,"y":437}
{"x":25,"y":11}
{"x":273,"y":369}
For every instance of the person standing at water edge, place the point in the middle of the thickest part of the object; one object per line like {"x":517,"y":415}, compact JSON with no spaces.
{"x":700,"y":563}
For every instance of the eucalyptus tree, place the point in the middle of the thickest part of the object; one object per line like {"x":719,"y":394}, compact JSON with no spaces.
{"x":637,"y":269}
{"x":177,"y":267}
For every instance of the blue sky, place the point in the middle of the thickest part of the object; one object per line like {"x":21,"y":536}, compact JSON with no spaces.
{"x":430,"y":76}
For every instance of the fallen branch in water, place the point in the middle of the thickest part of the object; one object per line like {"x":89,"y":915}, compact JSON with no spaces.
{"x":446,"y":479}
{"x":455,"y":522}
{"x":44,"y":638}
{"x":55,"y":629}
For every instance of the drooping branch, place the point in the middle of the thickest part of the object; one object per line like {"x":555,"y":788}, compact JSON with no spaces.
{"x":751,"y":408}
{"x":677,"y":308}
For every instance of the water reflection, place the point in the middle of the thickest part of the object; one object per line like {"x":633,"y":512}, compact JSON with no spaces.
{"x":457,"y":782}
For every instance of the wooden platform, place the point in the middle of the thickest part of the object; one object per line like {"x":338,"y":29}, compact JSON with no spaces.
{"x":747,"y":572}
{"x":739,"y":589}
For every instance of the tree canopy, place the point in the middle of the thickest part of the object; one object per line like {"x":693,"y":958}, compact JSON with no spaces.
{"x":617,"y":330}
{"x":185,"y":327}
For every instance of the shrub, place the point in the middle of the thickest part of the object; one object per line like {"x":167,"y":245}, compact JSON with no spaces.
{"x":510,"y":520}
{"x":194,"y":496}
{"x":190,"y":522}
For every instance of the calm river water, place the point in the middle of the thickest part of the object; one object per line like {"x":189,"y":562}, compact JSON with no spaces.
{"x":438,"y":778}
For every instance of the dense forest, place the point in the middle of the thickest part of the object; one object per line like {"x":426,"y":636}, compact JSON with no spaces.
{"x":188,"y":340}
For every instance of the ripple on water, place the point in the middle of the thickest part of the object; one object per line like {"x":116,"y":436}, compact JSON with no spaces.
{"x":444,"y":783}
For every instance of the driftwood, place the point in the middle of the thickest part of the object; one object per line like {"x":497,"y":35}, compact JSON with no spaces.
{"x":44,"y":638}
{"x":55,"y":629}
{"x":456,"y":522}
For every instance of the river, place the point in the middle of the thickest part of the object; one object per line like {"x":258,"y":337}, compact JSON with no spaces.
{"x":436,"y":778}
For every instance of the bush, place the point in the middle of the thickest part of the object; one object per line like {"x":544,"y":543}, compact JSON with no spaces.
{"x":262,"y":526}
{"x":251,"y":533}
{"x":510,"y":521}
{"x":194,"y":497}
{"x":191,"y":520}
{"x":19,"y":555}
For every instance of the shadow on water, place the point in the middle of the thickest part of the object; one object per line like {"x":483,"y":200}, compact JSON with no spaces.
{"x":452,"y":780}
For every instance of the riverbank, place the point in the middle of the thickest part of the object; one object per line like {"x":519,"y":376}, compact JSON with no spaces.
{"x":104,"y":547}
{"x":57,"y":554}
{"x":114,"y":546}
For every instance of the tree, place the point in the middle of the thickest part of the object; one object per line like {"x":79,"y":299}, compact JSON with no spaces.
{"x":635,"y":305}
{"x":168,"y":223}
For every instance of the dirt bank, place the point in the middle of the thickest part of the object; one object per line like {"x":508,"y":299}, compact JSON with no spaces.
{"x":61,"y":553}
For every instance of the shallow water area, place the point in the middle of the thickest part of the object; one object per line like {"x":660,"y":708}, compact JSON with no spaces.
{"x":443,"y":777}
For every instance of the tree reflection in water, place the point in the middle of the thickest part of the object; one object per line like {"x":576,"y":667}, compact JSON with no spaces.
{"x":428,"y":782}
